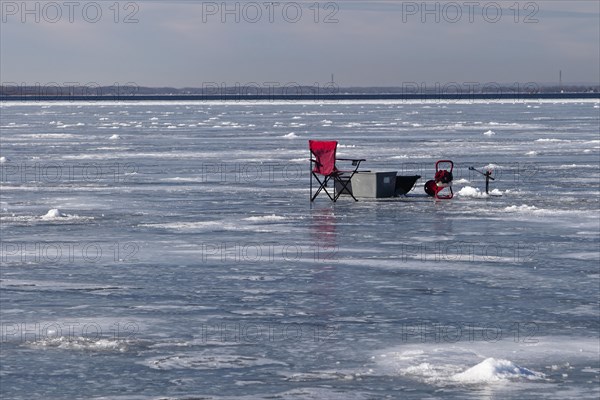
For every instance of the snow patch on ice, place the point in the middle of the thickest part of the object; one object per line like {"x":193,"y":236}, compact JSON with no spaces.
{"x":461,"y":181}
{"x":81,"y":343}
{"x":57,"y":215}
{"x":115,"y":137}
{"x":49,"y":135}
{"x":489,"y":133}
{"x":184,"y":179}
{"x":290,"y":135}
{"x":533,"y":210}
{"x":188,"y":225}
{"x":571,"y":166}
{"x":3,"y":160}
{"x":520,"y":208}
{"x":265,"y":218}
{"x":469,"y":191}
{"x":492,"y":166}
{"x":207,"y":226}
{"x":547,"y":140}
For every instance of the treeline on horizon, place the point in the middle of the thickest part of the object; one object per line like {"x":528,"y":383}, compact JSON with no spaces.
{"x":329,"y":89}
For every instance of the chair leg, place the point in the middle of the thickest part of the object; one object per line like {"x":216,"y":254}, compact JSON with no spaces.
{"x":311,"y":179}
{"x":345,"y":187}
{"x":322,"y":187}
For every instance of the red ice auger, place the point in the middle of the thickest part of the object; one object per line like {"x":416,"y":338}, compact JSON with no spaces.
{"x":441,"y":180}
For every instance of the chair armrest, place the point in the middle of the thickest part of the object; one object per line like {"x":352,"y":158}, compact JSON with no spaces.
{"x":355,"y":161}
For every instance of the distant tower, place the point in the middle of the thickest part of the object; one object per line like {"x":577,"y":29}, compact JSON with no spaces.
{"x":560,"y":80}
{"x":332,"y":81}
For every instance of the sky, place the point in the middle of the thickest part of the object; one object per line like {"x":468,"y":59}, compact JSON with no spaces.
{"x":180,"y":43}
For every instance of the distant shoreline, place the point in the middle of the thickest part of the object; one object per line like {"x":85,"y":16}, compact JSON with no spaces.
{"x":303,"y":97}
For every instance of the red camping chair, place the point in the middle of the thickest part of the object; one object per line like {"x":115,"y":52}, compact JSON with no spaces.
{"x":323,"y":157}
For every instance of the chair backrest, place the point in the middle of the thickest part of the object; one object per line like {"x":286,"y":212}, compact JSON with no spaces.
{"x":324,"y":153}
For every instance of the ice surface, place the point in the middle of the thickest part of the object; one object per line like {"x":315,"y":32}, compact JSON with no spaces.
{"x":196,"y":252}
{"x":207,"y":360}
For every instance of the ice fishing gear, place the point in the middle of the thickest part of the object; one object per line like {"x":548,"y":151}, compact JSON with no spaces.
{"x":441,"y":180}
{"x":488,"y":176}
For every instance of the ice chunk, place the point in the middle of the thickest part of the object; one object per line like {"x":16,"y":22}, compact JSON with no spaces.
{"x":469,"y":191}
{"x":491,"y":370}
{"x":53,"y":214}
